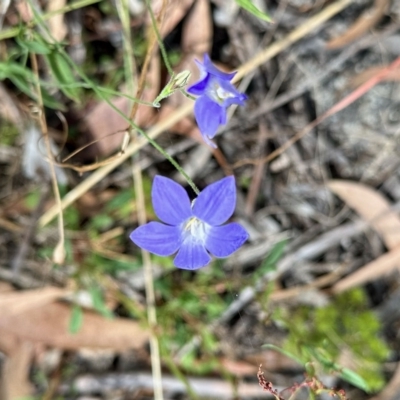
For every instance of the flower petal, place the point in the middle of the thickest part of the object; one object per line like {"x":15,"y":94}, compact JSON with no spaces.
{"x":209,"y":67}
{"x":171,"y":203}
{"x":216,"y":203}
{"x":158,"y":238}
{"x":192,"y":255}
{"x":209,"y":115}
{"x":199,"y":87}
{"x":222,"y":241}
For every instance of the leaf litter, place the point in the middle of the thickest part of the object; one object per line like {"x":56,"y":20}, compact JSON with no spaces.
{"x":335,"y":200}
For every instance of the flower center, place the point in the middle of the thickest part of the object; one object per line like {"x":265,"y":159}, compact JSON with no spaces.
{"x":218,"y":93}
{"x":197,"y":229}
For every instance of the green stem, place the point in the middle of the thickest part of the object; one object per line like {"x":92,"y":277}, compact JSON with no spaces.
{"x":159,"y":39}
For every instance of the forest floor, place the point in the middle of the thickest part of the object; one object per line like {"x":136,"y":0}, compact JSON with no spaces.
{"x":308,"y":307}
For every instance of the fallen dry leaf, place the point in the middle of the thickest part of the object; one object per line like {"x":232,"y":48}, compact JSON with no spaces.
{"x":57,"y":26}
{"x":14,"y":303}
{"x":239,"y":368}
{"x":375,"y":209}
{"x":364,"y":76}
{"x":372,"y":207}
{"x":108,"y":127}
{"x":48,"y":325}
{"x":176,"y":10}
{"x":383,"y":265}
{"x":365,"y":22}
{"x":14,"y":380}
{"x":9,"y":109}
{"x":197,"y":30}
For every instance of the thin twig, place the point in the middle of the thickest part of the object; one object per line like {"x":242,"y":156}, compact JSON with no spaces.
{"x":59,"y":251}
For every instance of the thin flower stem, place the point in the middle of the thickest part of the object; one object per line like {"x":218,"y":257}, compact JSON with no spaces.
{"x":59,"y":251}
{"x":149,"y":286}
{"x":159,"y":39}
{"x":130,"y":71}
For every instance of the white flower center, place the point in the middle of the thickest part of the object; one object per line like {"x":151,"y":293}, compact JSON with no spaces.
{"x":196,"y":229}
{"x":218,"y":93}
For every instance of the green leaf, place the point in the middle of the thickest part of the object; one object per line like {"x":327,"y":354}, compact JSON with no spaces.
{"x":23,"y":79}
{"x":284,"y":352}
{"x":251,"y":8}
{"x":63,"y":75}
{"x":32,"y":42}
{"x":355,"y":379}
{"x":98,"y":302}
{"x":275,"y":254}
{"x":75,"y":323}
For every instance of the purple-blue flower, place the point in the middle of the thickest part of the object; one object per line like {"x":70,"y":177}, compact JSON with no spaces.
{"x":193,"y":230}
{"x":216,"y":93}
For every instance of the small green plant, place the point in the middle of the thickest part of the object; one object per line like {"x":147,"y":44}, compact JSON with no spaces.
{"x":345,"y":328}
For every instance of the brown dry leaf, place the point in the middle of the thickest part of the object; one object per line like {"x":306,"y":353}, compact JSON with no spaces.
{"x":364,"y":76}
{"x":272,"y":360}
{"x":9,"y":109}
{"x":6,"y":287}
{"x":49,"y":326}
{"x":196,"y":40}
{"x":103,"y":120}
{"x":239,"y":368}
{"x":365,"y":22}
{"x":145,"y":114}
{"x":14,"y":380}
{"x":57,"y":26}
{"x":176,"y":10}
{"x":197,"y":29}
{"x":383,"y":265}
{"x":372,"y":207}
{"x":13,"y":303}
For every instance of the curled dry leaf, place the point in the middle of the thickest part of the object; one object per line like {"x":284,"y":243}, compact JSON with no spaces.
{"x":365,"y":22}
{"x":364,"y":76}
{"x":49,"y":325}
{"x":372,"y":207}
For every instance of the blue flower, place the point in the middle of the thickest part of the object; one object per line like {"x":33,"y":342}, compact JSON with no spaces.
{"x":192,"y":229}
{"x":216,"y":93}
